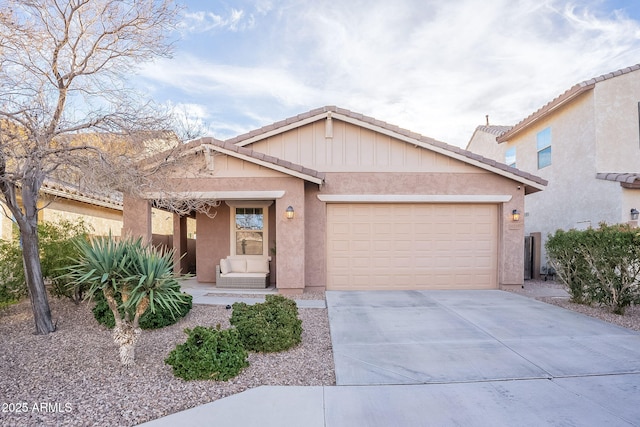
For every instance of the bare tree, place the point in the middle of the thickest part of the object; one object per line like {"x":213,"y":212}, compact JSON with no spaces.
{"x":66,"y":112}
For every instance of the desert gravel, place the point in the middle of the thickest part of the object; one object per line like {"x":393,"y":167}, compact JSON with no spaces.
{"x":73,"y":377}
{"x":630,"y":319}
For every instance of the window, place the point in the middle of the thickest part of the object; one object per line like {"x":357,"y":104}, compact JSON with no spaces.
{"x":249,"y":231}
{"x":543,"y":141}
{"x":510,"y":157}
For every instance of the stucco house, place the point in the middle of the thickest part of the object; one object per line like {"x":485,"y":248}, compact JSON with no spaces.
{"x":586,"y":144}
{"x":103,"y":214}
{"x":344,"y":201}
{"x":62,"y":201}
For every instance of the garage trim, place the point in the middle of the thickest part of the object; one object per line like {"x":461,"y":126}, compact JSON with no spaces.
{"x":414,"y":198}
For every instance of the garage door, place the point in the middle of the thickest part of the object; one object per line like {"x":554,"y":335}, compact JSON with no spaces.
{"x":412,"y":246}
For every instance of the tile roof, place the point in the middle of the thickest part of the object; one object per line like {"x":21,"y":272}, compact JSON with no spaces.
{"x":625,"y":178}
{"x":562,"y":99}
{"x":71,"y":192}
{"x":238,"y":144}
{"x":322,"y":112}
{"x":493,"y":129}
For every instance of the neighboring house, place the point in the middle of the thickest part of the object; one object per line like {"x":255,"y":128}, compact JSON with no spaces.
{"x":103,"y":214}
{"x":586,"y":143}
{"x":375,"y":206}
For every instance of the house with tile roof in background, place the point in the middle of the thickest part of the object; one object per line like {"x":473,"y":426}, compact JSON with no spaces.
{"x":586,"y":144}
{"x":100,"y":211}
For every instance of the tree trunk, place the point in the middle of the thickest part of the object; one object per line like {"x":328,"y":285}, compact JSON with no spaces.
{"x":35,"y":281}
{"x":126,"y":336}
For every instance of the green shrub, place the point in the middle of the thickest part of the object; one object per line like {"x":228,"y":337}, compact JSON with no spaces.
{"x":57,"y":248}
{"x":208,"y":354}
{"x":270,"y":326}
{"x":564,"y":250}
{"x":149,"y":320}
{"x":599,"y":265}
{"x":12,"y":283}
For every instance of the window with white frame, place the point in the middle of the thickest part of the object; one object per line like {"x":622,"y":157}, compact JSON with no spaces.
{"x":510,"y":157}
{"x":249,"y":228}
{"x":543,"y":143}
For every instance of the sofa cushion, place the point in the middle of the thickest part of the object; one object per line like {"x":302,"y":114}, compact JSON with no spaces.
{"x":237,"y":265}
{"x":246,"y":275}
{"x":257,"y":265}
{"x":224,"y":266}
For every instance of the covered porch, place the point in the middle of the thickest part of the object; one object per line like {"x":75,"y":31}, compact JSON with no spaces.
{"x":242,"y":208}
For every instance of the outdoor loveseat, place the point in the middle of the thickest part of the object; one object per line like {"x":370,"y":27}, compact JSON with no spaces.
{"x":243,"y":272}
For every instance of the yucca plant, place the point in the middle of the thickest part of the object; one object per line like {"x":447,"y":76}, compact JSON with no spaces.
{"x":141,"y":274}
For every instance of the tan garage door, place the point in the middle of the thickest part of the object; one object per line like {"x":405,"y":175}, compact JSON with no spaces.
{"x":412,"y":246}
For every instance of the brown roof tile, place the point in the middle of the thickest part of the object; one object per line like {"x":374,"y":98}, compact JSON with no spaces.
{"x":560,"y":100}
{"x":71,"y":192}
{"x":494,"y":129}
{"x":628,"y":178}
{"x":320,"y":112}
{"x":266,"y":158}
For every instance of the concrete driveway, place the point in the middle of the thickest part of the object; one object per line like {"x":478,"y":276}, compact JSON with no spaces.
{"x":418,"y":337}
{"x":440,"y":358}
{"x":482,"y":356}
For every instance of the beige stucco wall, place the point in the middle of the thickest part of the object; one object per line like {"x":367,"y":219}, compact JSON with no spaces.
{"x":630,"y":200}
{"x":574,"y":198}
{"x":102,"y":221}
{"x":485,"y":144}
{"x":616,"y":123}
{"x":596,"y":132}
{"x":6,"y":226}
{"x":136,"y":220}
{"x":212,"y":242}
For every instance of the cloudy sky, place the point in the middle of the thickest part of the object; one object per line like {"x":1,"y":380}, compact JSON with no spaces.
{"x":435,"y":67}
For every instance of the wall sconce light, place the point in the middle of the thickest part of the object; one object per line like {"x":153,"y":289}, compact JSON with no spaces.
{"x":634,"y":214}
{"x":515,"y":215}
{"x":289,"y":213}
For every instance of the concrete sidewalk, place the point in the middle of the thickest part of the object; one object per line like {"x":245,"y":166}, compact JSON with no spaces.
{"x":206,"y":294}
{"x":567,"y":401}
{"x":472,"y":358}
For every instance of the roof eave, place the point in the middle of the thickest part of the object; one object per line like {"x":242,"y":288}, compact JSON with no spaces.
{"x":535,"y":186}
{"x":279,"y":168}
{"x":543,"y":112}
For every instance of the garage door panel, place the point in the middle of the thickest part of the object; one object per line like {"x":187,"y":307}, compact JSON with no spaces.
{"x":411,"y":246}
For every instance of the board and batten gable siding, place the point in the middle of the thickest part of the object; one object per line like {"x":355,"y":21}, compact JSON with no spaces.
{"x":355,"y":149}
{"x":217,"y":165}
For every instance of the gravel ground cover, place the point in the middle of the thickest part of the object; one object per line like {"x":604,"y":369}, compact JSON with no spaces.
{"x":73,"y":377}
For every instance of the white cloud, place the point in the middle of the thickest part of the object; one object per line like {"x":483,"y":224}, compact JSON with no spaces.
{"x":434,"y":67}
{"x":202,"y":21}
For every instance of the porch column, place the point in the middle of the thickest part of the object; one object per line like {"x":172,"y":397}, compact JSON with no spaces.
{"x":180,"y":244}
{"x":290,"y":240}
{"x":136,"y":218}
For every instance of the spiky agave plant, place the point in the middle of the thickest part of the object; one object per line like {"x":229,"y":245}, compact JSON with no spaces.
{"x":141,"y":274}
